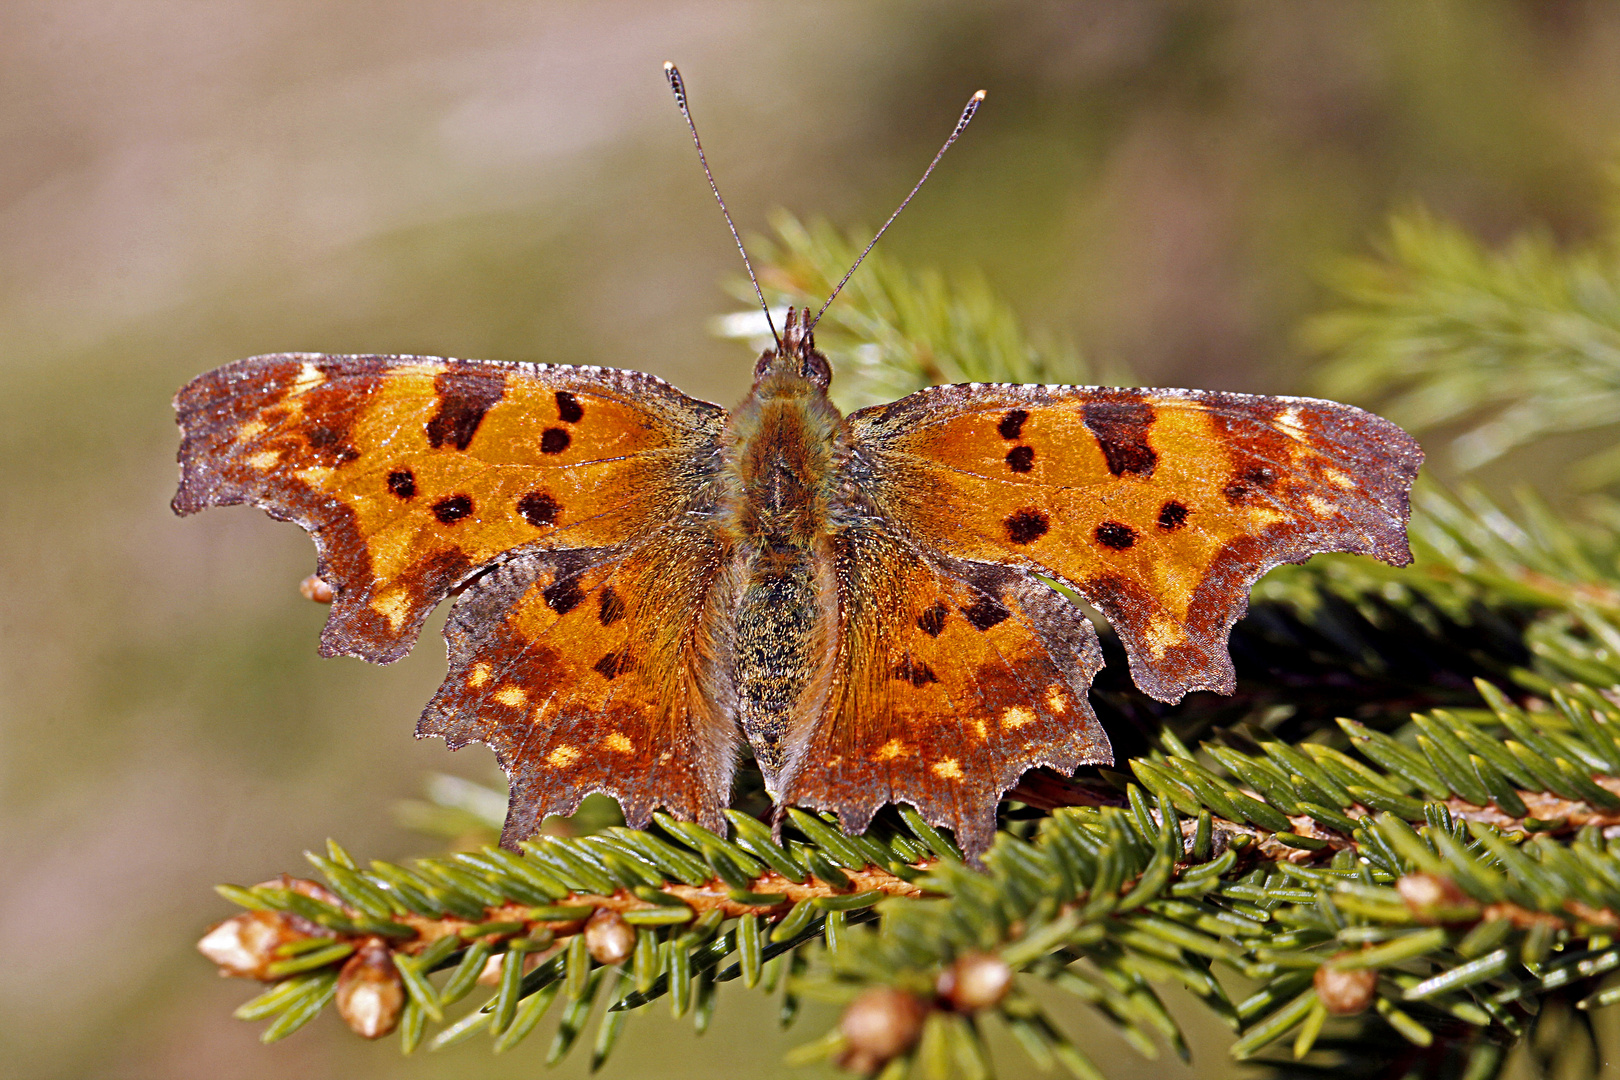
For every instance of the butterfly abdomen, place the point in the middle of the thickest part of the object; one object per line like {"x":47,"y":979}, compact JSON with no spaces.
{"x":783,"y":633}
{"x":783,"y":448}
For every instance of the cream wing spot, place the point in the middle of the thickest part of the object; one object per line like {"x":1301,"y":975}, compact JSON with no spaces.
{"x":393,"y":606}
{"x":512,"y":696}
{"x":309,"y":377}
{"x":251,"y":430}
{"x":264,"y":459}
{"x":890,"y":750}
{"x":1320,"y":506}
{"x":478,"y":676}
{"x":1056,"y":700}
{"x":947,"y":769}
{"x":1163,"y":634}
{"x":1289,"y":421}
{"x":563,"y":756}
{"x":1015,"y":717}
{"x":618,"y":742}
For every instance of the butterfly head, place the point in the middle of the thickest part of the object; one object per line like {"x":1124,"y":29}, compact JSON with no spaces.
{"x":795,"y":362}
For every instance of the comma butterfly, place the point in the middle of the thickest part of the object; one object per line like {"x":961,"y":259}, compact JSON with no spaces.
{"x":645,"y":581}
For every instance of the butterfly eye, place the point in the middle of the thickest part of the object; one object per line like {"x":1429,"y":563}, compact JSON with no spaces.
{"x":764,"y":363}
{"x":816,"y":369}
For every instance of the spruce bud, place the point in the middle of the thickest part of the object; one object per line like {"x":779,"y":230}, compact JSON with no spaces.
{"x":608,"y":937}
{"x":317,"y":589}
{"x":879,"y":1026}
{"x":1436,"y":899}
{"x":370,"y":994}
{"x":245,"y":945}
{"x":975,"y":981}
{"x":1345,"y":991}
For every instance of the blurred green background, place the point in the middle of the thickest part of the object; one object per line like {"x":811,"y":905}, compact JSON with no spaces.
{"x":182,"y":184}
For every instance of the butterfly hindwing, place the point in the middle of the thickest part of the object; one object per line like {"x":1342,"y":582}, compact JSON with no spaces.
{"x":954,"y":677}
{"x":1161,"y":507}
{"x":582,"y":670}
{"x":412,"y":473}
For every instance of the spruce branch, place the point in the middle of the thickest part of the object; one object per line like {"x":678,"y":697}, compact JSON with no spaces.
{"x":1403,"y":855}
{"x":624,"y":895}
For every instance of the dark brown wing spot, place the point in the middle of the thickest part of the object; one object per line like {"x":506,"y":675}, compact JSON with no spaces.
{"x":568,"y":408}
{"x":1248,"y":483}
{"x":452,"y":508}
{"x":985,"y":612}
{"x":1012,"y":425}
{"x":402,"y":483}
{"x":1026,"y":526}
{"x":563,"y":595}
{"x":463,"y":400}
{"x":1116,"y":535}
{"x":554,"y":440}
{"x":612,"y":609}
{"x":1172,"y":515}
{"x":612,"y":665}
{"x":932,"y":621}
{"x":1121,"y":431}
{"x":330,"y":445}
{"x":1021,"y":458}
{"x":538,"y":509}
{"x":332,"y":367}
{"x":914,"y":672}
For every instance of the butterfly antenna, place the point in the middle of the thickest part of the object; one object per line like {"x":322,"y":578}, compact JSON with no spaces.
{"x":961,"y":126}
{"x":672,"y":73}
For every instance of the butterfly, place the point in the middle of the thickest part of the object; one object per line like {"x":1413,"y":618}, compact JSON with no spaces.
{"x":873,"y":605}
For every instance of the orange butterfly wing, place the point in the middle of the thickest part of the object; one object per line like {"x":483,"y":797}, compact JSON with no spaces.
{"x":556,"y":497}
{"x":954,"y":678}
{"x":414,"y":472}
{"x":1161,"y":507}
{"x":582,"y":670}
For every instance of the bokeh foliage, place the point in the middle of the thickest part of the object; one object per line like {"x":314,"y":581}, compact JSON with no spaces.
{"x":1497,"y":349}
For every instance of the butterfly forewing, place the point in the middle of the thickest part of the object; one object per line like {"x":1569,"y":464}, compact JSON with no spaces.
{"x":412,"y":473}
{"x":1161,"y":507}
